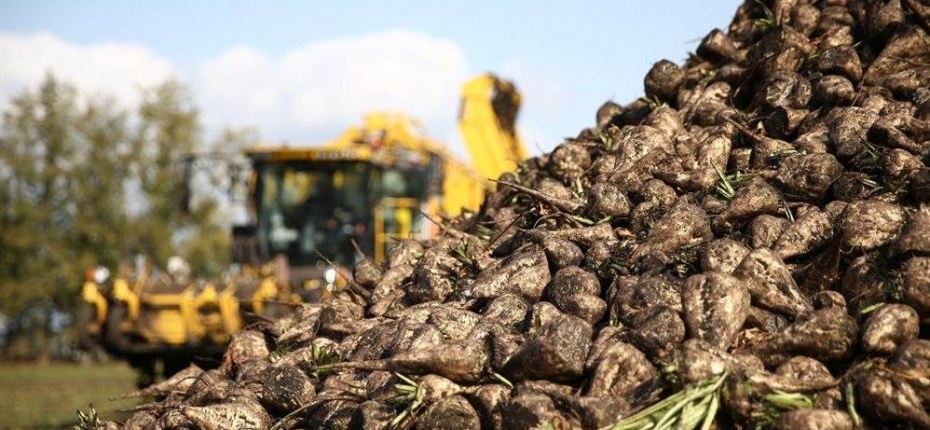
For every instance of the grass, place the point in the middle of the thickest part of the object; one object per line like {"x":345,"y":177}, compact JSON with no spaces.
{"x":47,"y":396}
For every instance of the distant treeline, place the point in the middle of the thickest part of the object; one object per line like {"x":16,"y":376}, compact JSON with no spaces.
{"x":86,"y":183}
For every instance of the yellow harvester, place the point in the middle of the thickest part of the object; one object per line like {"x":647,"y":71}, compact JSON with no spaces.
{"x":379,"y":181}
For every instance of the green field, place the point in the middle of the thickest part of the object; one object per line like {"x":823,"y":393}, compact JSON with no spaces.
{"x":46,"y":396}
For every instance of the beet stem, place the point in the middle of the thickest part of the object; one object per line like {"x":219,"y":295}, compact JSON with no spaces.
{"x":851,"y":404}
{"x":502,"y":379}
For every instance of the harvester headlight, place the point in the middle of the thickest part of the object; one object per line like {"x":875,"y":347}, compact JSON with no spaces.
{"x":330,"y":275}
{"x":101,"y":274}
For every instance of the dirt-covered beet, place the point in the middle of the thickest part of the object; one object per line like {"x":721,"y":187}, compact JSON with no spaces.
{"x":745,"y":246}
{"x":715,"y":307}
{"x":889,"y":327}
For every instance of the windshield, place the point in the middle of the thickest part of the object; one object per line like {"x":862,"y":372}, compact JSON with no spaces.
{"x":306,"y":209}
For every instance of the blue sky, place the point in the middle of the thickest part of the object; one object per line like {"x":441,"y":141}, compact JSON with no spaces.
{"x":302,"y":71}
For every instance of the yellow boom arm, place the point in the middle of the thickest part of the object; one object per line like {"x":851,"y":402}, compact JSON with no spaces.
{"x":487,"y":119}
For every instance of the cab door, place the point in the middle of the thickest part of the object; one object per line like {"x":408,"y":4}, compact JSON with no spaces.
{"x":399,"y":207}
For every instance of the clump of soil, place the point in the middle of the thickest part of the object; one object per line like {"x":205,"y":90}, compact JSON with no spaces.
{"x":747,"y":246}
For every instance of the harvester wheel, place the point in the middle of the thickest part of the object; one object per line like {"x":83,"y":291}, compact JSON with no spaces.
{"x":113,"y":337}
{"x":145,"y":370}
{"x":82,"y":319}
{"x":174,"y":365}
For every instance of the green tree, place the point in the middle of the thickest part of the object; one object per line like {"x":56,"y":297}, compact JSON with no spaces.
{"x":99,"y":191}
{"x":62,"y":165}
{"x":37,"y":148}
{"x":80,"y":187}
{"x":169,"y":127}
{"x":178,"y":222}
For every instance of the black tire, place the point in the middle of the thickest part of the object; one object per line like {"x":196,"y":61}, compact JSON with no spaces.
{"x":145,"y":370}
{"x":113,"y":338}
{"x":175,"y":364}
{"x":82,"y":319}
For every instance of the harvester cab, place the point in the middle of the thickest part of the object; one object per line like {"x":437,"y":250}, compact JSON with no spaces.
{"x":379,"y":182}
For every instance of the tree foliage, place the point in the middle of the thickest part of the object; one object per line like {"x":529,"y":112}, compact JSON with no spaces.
{"x":84,"y":183}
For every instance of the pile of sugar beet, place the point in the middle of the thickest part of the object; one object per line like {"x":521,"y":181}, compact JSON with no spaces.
{"x":747,"y":246}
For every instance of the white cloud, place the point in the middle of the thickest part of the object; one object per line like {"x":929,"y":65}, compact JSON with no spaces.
{"x":110,"y":69}
{"x":313,"y":92}
{"x":305,"y":96}
{"x":237,"y":89}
